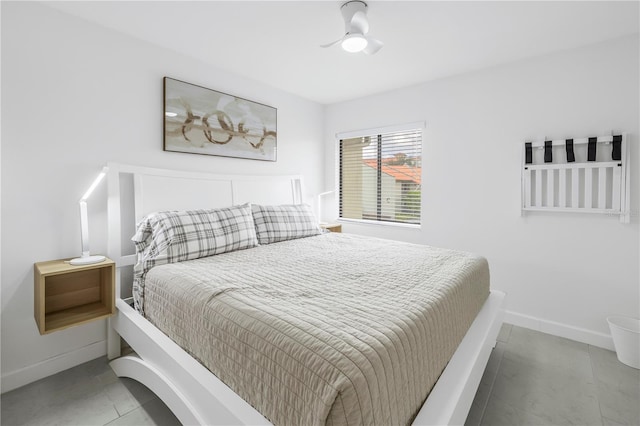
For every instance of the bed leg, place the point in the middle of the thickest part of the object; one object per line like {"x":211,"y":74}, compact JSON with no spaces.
{"x":113,"y":341}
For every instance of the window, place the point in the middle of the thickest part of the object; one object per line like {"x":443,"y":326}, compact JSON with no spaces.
{"x":380,"y":175}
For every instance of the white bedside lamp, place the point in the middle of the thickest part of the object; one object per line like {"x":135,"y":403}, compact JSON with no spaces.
{"x":322,"y":194}
{"x":86,"y":258}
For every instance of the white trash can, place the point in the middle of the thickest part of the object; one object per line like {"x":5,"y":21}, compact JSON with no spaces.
{"x":626,"y":339}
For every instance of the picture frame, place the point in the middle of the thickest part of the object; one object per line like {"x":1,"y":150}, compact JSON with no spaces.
{"x":199,"y":120}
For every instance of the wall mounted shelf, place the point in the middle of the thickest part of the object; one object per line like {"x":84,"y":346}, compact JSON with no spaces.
{"x":67,"y":295}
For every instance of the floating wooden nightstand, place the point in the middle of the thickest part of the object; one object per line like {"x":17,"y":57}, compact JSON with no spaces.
{"x":332,"y":227}
{"x":67,"y":295}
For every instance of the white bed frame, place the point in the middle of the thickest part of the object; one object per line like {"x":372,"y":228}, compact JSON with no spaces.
{"x":194,"y":394}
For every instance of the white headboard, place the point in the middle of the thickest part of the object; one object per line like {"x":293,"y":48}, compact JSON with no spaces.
{"x":137,"y":191}
{"x":156,"y":190}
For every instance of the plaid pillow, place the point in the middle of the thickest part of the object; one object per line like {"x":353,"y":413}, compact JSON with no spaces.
{"x":285,"y":222}
{"x":175,"y":236}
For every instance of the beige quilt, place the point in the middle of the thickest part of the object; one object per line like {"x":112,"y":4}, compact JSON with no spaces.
{"x":335,"y":329}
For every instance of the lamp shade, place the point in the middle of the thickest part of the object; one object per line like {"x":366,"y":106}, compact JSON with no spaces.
{"x":320,"y":196}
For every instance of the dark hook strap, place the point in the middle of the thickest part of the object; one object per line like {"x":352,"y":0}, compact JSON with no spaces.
{"x":571,"y":157}
{"x":591,"y":153}
{"x":616,"y":154}
{"x":528,"y":153}
{"x":548,"y":155}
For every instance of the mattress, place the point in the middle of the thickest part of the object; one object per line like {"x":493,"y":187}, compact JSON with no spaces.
{"x":334,"y":329}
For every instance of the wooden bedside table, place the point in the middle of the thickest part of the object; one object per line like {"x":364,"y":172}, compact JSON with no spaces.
{"x":332,"y":227}
{"x":67,"y":295}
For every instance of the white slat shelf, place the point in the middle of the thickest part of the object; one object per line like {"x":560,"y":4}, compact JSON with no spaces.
{"x":598,"y":186}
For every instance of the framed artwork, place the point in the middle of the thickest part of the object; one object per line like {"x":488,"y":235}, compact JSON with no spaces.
{"x":198,"y":120}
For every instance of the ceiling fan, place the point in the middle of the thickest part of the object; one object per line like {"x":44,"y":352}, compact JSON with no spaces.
{"x":356,"y":28}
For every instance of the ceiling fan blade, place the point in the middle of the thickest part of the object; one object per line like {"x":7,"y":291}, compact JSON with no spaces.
{"x":359,"y":23}
{"x":373,"y":45}
{"x":333,"y":43}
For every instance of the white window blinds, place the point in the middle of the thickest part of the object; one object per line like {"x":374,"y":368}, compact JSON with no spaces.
{"x":380,"y":176}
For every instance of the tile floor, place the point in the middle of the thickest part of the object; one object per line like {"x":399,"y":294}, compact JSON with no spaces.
{"x":531,"y":379}
{"x":89,"y":394}
{"x":534,"y":378}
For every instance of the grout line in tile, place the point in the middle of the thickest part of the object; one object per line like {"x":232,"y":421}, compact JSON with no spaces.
{"x":595,"y":383}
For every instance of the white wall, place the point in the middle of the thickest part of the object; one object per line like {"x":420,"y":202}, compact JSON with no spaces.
{"x":564,"y":273}
{"x":75,"y":96}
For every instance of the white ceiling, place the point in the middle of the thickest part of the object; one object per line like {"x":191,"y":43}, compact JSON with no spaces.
{"x":278,"y":42}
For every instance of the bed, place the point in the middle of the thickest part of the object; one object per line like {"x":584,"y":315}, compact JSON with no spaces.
{"x":324,"y":329}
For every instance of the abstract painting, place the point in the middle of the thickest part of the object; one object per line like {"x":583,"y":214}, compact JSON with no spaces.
{"x":203,"y":121}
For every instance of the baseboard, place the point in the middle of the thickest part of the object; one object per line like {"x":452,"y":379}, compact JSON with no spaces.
{"x":578,"y":334}
{"x":56,"y":364}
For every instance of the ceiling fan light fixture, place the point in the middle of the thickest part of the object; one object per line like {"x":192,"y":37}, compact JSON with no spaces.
{"x":356,"y":38}
{"x":354,"y":43}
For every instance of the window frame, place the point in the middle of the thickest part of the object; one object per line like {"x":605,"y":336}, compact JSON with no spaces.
{"x":419,"y":126}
